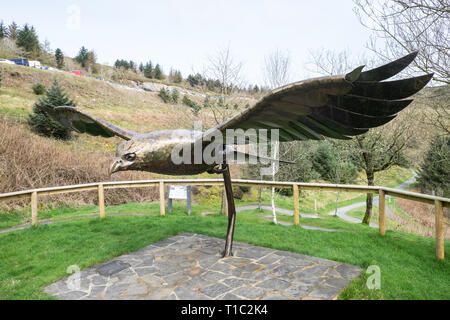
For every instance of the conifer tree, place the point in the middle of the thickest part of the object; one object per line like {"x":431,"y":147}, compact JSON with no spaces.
{"x":177,"y":78}
{"x":12,"y":31}
{"x":82,"y":57}
{"x":434,"y":175}
{"x":41,"y":122}
{"x":28,"y":39}
{"x":148,"y":70}
{"x":158,"y":72}
{"x":59,"y":57}
{"x":3,"y":30}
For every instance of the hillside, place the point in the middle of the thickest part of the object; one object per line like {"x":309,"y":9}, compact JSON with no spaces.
{"x":48,"y":162}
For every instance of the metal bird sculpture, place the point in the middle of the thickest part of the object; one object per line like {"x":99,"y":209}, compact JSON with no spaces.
{"x":336,"y":106}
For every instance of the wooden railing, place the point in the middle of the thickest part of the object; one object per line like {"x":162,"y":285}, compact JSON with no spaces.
{"x":438,"y":202}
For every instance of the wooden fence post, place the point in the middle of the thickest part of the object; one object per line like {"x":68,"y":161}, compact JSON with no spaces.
{"x":296,"y":205}
{"x":382,"y":212}
{"x":439,"y":230}
{"x":101,"y":201}
{"x":162,"y":205}
{"x":34,"y":209}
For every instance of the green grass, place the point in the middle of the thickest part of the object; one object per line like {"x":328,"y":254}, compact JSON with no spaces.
{"x":35,"y":257}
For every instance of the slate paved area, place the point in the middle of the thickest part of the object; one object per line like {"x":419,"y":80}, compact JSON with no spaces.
{"x":189,"y":266}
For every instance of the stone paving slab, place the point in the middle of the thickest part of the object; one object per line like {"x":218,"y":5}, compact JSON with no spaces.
{"x":189,"y":267}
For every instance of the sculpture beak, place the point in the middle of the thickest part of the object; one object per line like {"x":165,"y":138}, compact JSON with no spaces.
{"x":115,"y":166}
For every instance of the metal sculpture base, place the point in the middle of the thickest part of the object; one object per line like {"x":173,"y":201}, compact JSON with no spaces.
{"x":225,"y":170}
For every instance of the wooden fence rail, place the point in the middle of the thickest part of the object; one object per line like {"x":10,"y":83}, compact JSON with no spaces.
{"x":438,"y":202}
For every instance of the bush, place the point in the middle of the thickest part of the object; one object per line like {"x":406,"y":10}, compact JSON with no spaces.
{"x":288,"y":192}
{"x":237,"y":193}
{"x":164,"y":95}
{"x":245,"y":189}
{"x":169,"y":97}
{"x":175,"y":96}
{"x":195,"y":106}
{"x":42,"y":123}
{"x":38,"y":89}
{"x":28,"y":161}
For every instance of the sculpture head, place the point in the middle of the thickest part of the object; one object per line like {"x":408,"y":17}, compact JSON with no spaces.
{"x":130,"y":155}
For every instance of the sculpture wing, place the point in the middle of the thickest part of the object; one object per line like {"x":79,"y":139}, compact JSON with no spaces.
{"x":336,"y":106}
{"x":83,"y":122}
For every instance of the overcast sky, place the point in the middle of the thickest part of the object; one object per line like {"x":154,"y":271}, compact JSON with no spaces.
{"x":183,"y":34}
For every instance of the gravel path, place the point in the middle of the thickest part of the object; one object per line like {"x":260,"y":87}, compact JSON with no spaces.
{"x":289,"y":212}
{"x":341,"y":212}
{"x":278,"y":209}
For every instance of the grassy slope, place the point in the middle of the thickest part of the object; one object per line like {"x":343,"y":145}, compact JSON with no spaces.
{"x":138,"y":111}
{"x":134,"y":110}
{"x":35,"y":257}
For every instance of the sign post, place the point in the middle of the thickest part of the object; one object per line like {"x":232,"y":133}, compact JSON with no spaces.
{"x":179,"y":192}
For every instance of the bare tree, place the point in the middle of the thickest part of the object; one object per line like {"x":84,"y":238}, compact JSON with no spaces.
{"x":409,"y":25}
{"x":380,"y":148}
{"x":226,"y":69}
{"x":406,"y":26}
{"x":383,"y":147}
{"x":276,"y":69}
{"x":329,"y":62}
{"x":223,"y":67}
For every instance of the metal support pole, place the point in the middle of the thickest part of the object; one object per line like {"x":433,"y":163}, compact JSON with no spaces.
{"x":231,"y":211}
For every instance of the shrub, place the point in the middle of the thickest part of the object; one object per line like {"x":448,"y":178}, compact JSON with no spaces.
{"x":245,"y":189}
{"x":164,"y":95}
{"x":28,"y":161}
{"x":285,"y":191}
{"x":237,"y":193}
{"x":195,"y":106}
{"x":42,"y":123}
{"x":38,"y":89}
{"x":175,"y":96}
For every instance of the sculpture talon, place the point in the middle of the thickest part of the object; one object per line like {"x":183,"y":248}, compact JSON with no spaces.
{"x":231,"y":211}
{"x":338,"y":107}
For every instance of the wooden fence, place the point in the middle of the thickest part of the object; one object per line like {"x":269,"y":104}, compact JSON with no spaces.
{"x":438,"y":202}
